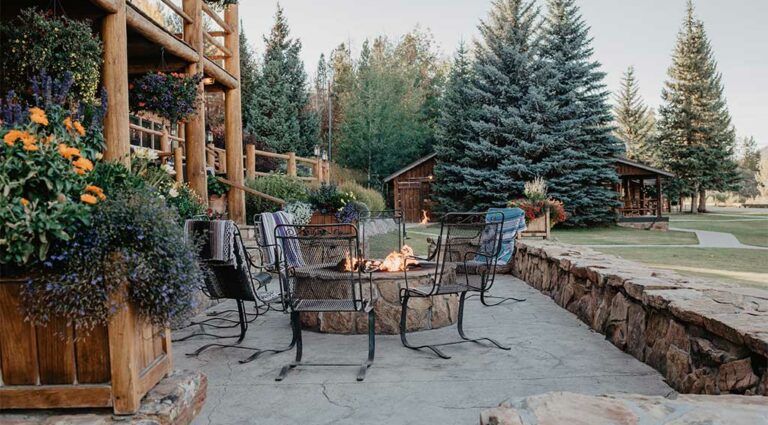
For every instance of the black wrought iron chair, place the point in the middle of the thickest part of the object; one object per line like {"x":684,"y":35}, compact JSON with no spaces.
{"x":457,"y":231}
{"x":229,"y":277}
{"x":319,"y":273}
{"x":381,"y":232}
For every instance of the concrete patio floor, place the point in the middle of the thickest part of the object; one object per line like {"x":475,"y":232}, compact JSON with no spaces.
{"x":551,"y":351}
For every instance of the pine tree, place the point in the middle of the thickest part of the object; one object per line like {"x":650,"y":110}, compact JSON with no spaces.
{"x":505,"y":138}
{"x":696,"y":138}
{"x":580,"y":168}
{"x":284,"y":121}
{"x":453,"y":129}
{"x":249,"y":76}
{"x":633,"y":120}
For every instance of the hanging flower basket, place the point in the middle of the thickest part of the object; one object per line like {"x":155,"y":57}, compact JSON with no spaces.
{"x":174,"y":97}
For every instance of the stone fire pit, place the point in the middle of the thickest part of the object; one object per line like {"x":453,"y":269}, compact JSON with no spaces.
{"x":423,"y":313}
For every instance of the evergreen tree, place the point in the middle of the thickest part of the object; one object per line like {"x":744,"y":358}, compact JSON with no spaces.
{"x":505,"y":140}
{"x":453,"y":130}
{"x":696,"y":139}
{"x":749,"y":168}
{"x":580,"y":169}
{"x":284,"y":121}
{"x":633,"y":120}
{"x":249,"y":77}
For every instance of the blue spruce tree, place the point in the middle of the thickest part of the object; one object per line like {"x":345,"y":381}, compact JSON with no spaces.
{"x":580,"y":169}
{"x":505,"y":135}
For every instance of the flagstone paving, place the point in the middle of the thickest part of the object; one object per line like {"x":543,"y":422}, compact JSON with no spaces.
{"x":551,"y":351}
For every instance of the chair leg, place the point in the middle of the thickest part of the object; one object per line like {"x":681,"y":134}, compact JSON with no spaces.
{"x":460,"y":326}
{"x":243,"y":323}
{"x":484,"y":298}
{"x":243,"y":330}
{"x":296,"y":327}
{"x":371,"y":345}
{"x":404,"y":327}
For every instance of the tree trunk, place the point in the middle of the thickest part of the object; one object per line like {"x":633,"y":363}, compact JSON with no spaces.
{"x":680,"y":204}
{"x":693,"y":203}
{"x":702,"y":201}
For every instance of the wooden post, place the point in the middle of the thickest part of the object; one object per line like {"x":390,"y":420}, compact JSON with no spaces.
{"x":292,"y":164}
{"x":195,"y":127}
{"x":165,"y":144}
{"x":115,"y":80}
{"x":210,"y":155}
{"x":177,"y":163}
{"x":318,"y":169}
{"x":250,"y":161}
{"x":659,"y":198}
{"x":123,"y":356}
{"x":327,"y":171}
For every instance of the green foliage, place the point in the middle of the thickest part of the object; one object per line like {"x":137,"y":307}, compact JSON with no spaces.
{"x":391,"y":106}
{"x":370,"y":197}
{"x":277,"y":185}
{"x":134,"y":237}
{"x":35,"y":41}
{"x":327,"y":199}
{"x":249,"y":79}
{"x":301,"y":212}
{"x":634,"y":122}
{"x":215,"y":187}
{"x":352,"y":211}
{"x":696,"y":139}
{"x":42,"y":181}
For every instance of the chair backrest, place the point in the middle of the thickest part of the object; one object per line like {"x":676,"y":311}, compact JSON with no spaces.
{"x":320,"y":278}
{"x":224,"y":257}
{"x":266,"y":224}
{"x":512,"y":223}
{"x":381,"y":232}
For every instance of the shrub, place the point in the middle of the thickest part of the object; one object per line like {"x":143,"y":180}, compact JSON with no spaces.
{"x":215,"y":187}
{"x":45,"y":156}
{"x":35,"y":41}
{"x":133,"y":239}
{"x":327,"y":199}
{"x":370,"y":197}
{"x":171,"y":96}
{"x":536,"y":209}
{"x":352,"y":212}
{"x":277,"y":185}
{"x":301,"y":212}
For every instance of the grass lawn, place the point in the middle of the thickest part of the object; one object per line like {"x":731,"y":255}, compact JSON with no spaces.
{"x":383,"y":244}
{"x":748,"y":267}
{"x":752,"y":232}
{"x":615,"y":235}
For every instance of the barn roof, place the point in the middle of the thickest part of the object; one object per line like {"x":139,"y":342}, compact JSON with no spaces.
{"x":409,"y":166}
{"x":648,"y":168}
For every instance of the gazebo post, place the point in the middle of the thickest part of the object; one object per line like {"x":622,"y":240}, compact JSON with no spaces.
{"x":233,"y":124}
{"x":659,"y":198}
{"x":115,"y":80}
{"x":195,"y":126}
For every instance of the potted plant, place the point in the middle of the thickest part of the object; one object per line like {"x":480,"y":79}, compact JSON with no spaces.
{"x":541,"y":212}
{"x":172,"y":97}
{"x":217,"y":195}
{"x":94,"y":265}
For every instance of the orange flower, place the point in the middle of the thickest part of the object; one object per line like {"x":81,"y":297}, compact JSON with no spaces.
{"x":12,"y":136}
{"x":79,"y":171}
{"x":68,"y":152}
{"x":49,"y":139}
{"x":141,"y":104}
{"x":79,"y":128}
{"x":37,"y":115}
{"x":30,"y":147}
{"x":88,"y":199}
{"x":83,"y":164}
{"x":68,"y":123}
{"x":96,"y":191}
{"x":24,"y":202}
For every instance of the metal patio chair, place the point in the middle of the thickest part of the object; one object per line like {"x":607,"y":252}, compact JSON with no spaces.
{"x":457,"y":232}
{"x":376,"y":230}
{"x":229,"y":277}
{"x":312,"y":279}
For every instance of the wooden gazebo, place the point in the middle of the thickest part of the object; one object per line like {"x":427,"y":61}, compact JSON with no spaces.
{"x":639,"y":209}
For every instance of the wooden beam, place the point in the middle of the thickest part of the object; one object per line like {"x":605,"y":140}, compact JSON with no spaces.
{"x":123,"y":354}
{"x":158,"y":35}
{"x":247,"y":189}
{"x":195,"y":126}
{"x":223,"y":49}
{"x":250,"y":161}
{"x":233,"y":121}
{"x":220,"y":75}
{"x":179,"y":11}
{"x":115,"y":80}
{"x":659,"y":198}
{"x":215,"y":16}
{"x":110,"y":6}
{"x":55,"y":396}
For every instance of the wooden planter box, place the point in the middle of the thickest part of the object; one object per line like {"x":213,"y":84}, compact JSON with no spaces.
{"x":218,"y":204}
{"x":319,"y":218}
{"x":538,"y":227}
{"x":112,"y":366}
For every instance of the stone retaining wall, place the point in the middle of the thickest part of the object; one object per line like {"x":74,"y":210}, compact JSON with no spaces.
{"x":704,"y":337}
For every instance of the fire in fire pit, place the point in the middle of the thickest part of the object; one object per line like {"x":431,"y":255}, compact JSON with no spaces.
{"x":395,"y":262}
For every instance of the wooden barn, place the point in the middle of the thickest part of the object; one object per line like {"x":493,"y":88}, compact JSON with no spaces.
{"x":409,"y":189}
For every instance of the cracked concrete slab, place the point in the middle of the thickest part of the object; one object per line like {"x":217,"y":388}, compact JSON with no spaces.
{"x":551,"y":351}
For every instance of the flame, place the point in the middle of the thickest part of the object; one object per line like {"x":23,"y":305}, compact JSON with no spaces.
{"x":424,"y":218}
{"x":398,"y":261}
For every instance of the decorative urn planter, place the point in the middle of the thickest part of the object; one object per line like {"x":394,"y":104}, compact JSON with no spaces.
{"x":54,"y":366}
{"x":218,"y":204}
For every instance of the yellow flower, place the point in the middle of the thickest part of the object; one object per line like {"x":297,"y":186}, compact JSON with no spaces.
{"x":79,"y":128}
{"x":88,"y":199}
{"x":83,"y":164}
{"x":37,"y":115}
{"x":24,"y":202}
{"x":68,"y":152}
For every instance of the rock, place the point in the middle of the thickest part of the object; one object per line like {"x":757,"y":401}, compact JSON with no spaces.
{"x":636,"y":331}
{"x":677,"y":367}
{"x":701,"y":381}
{"x":737,"y":376}
{"x":338,"y":322}
{"x":500,"y":416}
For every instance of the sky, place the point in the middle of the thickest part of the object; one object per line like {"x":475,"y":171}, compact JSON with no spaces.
{"x":641,"y":33}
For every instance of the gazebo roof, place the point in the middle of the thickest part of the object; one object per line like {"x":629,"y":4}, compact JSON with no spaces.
{"x":626,"y":167}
